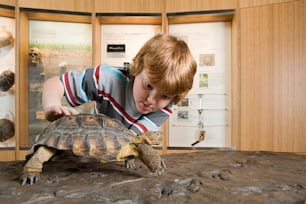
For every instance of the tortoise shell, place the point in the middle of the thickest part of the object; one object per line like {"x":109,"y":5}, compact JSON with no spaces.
{"x":7,"y":129}
{"x":7,"y":80}
{"x":86,"y":135}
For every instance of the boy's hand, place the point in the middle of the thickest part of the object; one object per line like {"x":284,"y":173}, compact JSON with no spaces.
{"x":54,"y":112}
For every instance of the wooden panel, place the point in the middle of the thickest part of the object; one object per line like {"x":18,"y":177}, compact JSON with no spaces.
{"x":22,"y":60}
{"x":22,"y":154}
{"x":58,"y":17}
{"x":128,"y":6}
{"x":165,"y":132}
{"x":7,"y":13}
{"x":59,"y":5}
{"x":252,"y":3}
{"x":17,"y":81}
{"x":273,"y":47}
{"x":199,"y":5}
{"x":8,"y":2}
{"x":7,"y":155}
{"x":96,"y":41}
{"x":165,"y":25}
{"x":199,"y":18}
{"x":131,"y":20}
{"x":289,"y":48}
{"x":235,"y":79}
{"x":256,"y":79}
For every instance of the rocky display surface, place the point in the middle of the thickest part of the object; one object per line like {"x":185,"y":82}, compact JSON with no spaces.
{"x":209,"y":176}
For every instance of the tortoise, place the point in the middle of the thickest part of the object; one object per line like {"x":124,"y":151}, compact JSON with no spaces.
{"x":93,"y":136}
{"x":7,"y":129}
{"x":7,"y":80}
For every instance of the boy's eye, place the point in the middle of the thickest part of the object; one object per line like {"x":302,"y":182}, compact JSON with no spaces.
{"x":165,"y":97}
{"x":148,"y":86}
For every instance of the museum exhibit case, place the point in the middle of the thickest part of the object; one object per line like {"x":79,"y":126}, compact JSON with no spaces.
{"x":51,"y":53}
{"x":7,"y":78}
{"x":205,"y":114}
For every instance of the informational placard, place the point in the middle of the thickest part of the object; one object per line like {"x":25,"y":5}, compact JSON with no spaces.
{"x":207,"y":107}
{"x":125,"y":41}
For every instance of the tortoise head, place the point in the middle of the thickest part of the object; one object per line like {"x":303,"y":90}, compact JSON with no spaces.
{"x":149,"y":137}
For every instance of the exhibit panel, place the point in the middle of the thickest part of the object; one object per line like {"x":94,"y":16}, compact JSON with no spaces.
{"x":54,"y":48}
{"x":121,"y":42}
{"x":7,"y":79}
{"x":203,"y":118}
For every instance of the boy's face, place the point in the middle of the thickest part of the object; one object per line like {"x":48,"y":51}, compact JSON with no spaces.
{"x":146,"y":96}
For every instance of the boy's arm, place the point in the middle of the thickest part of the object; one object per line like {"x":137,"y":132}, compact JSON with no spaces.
{"x":53,"y":91}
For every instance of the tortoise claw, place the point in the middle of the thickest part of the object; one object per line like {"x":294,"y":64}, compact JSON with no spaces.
{"x":160,"y":167}
{"x":130,"y":163}
{"x":30,"y":178}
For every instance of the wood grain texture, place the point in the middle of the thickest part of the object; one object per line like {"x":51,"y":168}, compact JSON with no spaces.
{"x":57,"y":17}
{"x":272,"y":73}
{"x":23,"y":96}
{"x":58,"y":5}
{"x":8,"y":2}
{"x":289,"y":48}
{"x":200,"y":18}
{"x":128,"y":6}
{"x":151,"y":20}
{"x":7,"y":13}
{"x":256,"y":79}
{"x":199,"y":5}
{"x":252,"y":3}
{"x":7,"y":155}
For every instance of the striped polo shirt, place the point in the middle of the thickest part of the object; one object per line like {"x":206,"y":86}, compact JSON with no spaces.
{"x":111,"y":89}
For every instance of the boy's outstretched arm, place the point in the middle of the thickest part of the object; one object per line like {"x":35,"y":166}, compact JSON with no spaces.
{"x":52,"y":94}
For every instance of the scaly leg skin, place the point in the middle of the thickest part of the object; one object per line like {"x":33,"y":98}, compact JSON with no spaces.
{"x":151,"y":159}
{"x":33,"y":167}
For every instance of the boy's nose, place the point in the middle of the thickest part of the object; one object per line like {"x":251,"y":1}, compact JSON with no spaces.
{"x":151,"y":97}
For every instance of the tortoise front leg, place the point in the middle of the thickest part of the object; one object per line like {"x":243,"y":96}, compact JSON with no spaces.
{"x":33,"y":167}
{"x":151,"y":158}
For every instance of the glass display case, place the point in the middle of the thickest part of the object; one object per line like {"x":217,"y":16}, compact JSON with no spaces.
{"x":54,"y":48}
{"x":203,"y":119}
{"x":7,"y":82}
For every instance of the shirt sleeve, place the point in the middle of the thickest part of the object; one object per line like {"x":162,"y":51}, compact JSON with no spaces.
{"x":79,"y":87}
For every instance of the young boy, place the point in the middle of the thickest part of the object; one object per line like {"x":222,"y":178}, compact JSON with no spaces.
{"x":160,"y":75}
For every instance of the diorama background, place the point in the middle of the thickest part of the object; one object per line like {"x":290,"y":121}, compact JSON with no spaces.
{"x":7,"y":62}
{"x":64,"y":46}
